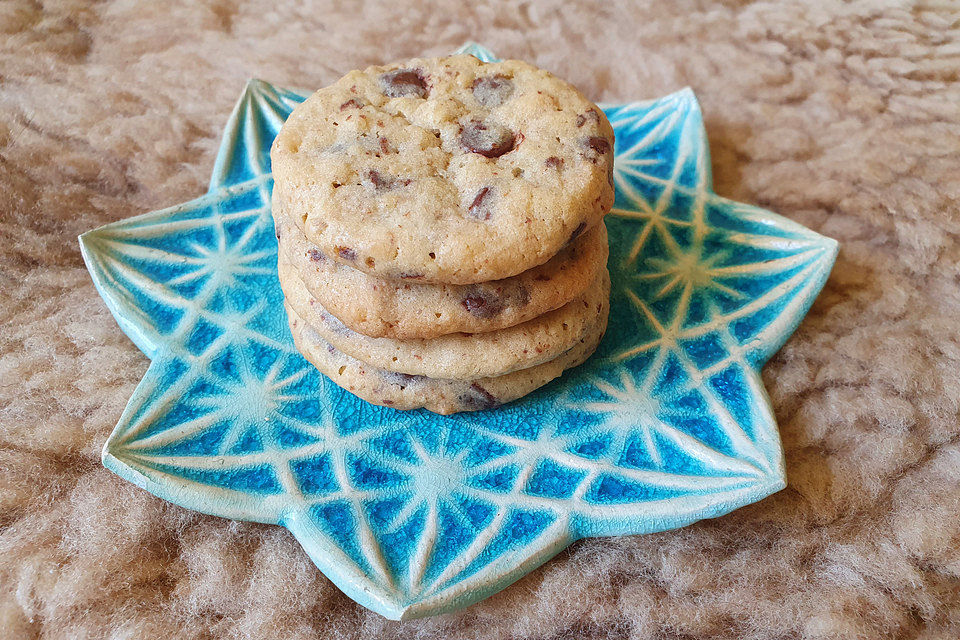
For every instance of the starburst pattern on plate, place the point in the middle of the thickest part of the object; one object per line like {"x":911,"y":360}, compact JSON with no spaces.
{"x":411,"y":513}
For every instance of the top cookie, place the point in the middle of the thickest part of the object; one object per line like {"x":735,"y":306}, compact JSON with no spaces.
{"x":446,"y":170}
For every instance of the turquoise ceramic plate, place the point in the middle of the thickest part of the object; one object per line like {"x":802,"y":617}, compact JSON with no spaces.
{"x":411,"y":513}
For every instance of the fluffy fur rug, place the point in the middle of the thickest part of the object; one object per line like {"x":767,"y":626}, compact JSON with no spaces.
{"x":842,"y":116}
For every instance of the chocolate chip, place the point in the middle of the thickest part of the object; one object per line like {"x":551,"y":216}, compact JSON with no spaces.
{"x":346,"y":253}
{"x":404,"y":82}
{"x":477,"y":398}
{"x":316,"y":255}
{"x":598,"y":145}
{"x":482,"y":304}
{"x":409,"y":276}
{"x":553,"y":162}
{"x":400,"y":379}
{"x":594,"y":147}
{"x":482,"y":206}
{"x":352,"y":103}
{"x":489,"y":139}
{"x":492,"y":91}
{"x":589,"y":116}
{"x":381,"y":183}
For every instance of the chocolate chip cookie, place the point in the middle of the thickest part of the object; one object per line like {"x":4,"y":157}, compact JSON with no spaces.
{"x":457,"y":356}
{"x":444,"y":170}
{"x":402,"y":391}
{"x":406,"y":309}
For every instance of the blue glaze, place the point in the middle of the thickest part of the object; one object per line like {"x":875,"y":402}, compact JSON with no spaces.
{"x":411,"y":513}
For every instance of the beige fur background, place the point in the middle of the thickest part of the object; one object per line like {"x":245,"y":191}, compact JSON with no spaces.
{"x":842,"y":116}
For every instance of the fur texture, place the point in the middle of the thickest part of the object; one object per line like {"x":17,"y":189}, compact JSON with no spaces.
{"x":842,"y":116}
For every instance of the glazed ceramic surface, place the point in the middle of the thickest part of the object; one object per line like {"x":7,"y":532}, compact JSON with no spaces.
{"x":414,"y":514}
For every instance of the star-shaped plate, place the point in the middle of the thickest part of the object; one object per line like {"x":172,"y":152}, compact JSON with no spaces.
{"x":413,"y":514}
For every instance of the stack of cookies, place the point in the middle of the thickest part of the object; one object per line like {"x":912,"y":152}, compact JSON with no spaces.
{"x":441,"y":231}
